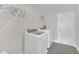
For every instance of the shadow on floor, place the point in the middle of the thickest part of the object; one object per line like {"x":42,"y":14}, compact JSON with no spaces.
{"x":57,"y":48}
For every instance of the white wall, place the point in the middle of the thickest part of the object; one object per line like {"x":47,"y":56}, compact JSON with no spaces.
{"x":32,"y":22}
{"x":12,"y":30}
{"x":51,"y":11}
{"x":77,"y":26}
{"x":32,"y":16}
{"x":51,"y":23}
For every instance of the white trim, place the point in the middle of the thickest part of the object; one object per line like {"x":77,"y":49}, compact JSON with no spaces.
{"x":77,"y":48}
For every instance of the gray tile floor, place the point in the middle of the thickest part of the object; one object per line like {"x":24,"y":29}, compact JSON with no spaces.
{"x":57,"y":48}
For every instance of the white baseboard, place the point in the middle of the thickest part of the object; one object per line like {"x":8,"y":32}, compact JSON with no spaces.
{"x":64,"y":43}
{"x":77,"y":48}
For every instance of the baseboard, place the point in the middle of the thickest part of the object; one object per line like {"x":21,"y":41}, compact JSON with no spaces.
{"x":64,"y":43}
{"x":77,"y":48}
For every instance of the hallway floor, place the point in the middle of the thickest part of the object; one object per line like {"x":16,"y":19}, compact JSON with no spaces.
{"x":57,"y":48}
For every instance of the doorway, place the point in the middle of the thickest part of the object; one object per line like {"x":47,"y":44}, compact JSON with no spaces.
{"x":66,"y":29}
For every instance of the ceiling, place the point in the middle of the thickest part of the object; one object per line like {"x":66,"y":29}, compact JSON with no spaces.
{"x":53,"y":8}
{"x":44,"y":9}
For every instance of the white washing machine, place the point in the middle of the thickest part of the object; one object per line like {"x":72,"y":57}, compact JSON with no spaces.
{"x":36,"y":42}
{"x":50,"y":39}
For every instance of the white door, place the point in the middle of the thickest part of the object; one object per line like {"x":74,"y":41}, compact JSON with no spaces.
{"x":66,"y":28}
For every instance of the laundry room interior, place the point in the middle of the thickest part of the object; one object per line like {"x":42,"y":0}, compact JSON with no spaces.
{"x":39,"y":28}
